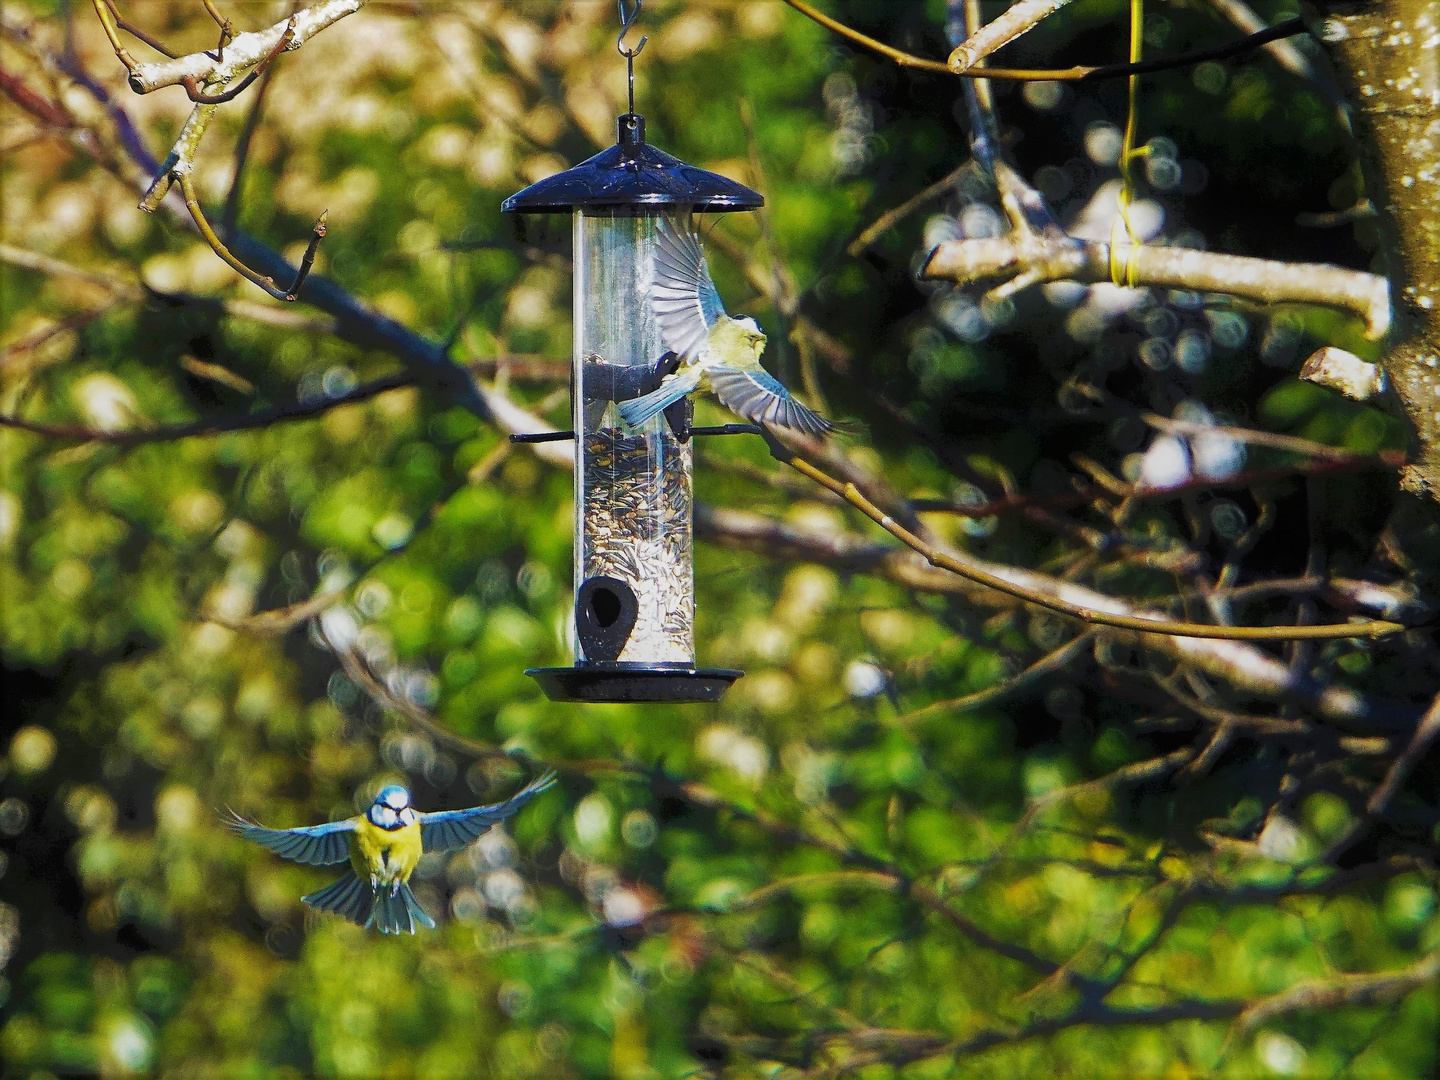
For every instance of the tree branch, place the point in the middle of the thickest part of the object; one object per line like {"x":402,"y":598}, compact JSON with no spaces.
{"x":1019,"y":17}
{"x":243,"y":51}
{"x":215,"y":425}
{"x":1102,"y":613}
{"x":1425,"y":735}
{"x":1031,"y":260}
{"x":1250,"y":671}
{"x":1078,"y":73}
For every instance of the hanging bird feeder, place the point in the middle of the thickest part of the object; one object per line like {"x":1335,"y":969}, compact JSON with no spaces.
{"x":634,"y":615}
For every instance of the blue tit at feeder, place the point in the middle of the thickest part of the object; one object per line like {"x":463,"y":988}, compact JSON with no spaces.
{"x":383,"y":846}
{"x":717,"y":352}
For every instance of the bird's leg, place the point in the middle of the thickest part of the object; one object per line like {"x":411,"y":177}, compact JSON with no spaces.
{"x":374,"y":883}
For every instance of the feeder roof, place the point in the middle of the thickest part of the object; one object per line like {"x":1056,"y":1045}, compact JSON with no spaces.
{"x":632,"y":173}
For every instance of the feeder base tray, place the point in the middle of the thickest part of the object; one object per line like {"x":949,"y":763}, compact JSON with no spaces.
{"x":633,"y":682}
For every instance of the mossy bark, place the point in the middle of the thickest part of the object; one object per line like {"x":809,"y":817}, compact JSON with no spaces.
{"x":1387,"y":54}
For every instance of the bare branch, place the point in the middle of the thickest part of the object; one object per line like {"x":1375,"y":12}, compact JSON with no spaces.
{"x":1344,"y":372}
{"x":1244,"y":18}
{"x":1039,"y":259}
{"x":1426,"y":733}
{"x":1249,"y":670}
{"x":888,"y":220}
{"x":181,"y":158}
{"x":215,"y":425}
{"x":1054,"y":661}
{"x":281,"y":621}
{"x":1099,"y":614}
{"x":192,"y":202}
{"x":1079,"y":73}
{"x":42,"y":109}
{"x":1290,"y":443}
{"x":902,"y":1048}
{"x":1014,"y":21}
{"x":1341,"y":990}
{"x":70,"y":322}
{"x":243,"y":52}
{"x":234,"y":90}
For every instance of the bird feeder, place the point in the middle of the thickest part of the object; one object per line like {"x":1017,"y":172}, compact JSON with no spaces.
{"x":634,"y":575}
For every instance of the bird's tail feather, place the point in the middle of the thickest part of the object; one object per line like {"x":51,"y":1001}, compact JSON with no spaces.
{"x":349,"y":896}
{"x":421,"y":915}
{"x":397,"y":911}
{"x":674,"y":387}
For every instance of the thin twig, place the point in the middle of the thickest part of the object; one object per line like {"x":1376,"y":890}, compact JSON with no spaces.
{"x":112,"y":24}
{"x":280,"y":621}
{"x":1290,"y":443}
{"x":1249,"y":670}
{"x":1051,"y":662}
{"x":192,"y":201}
{"x":1426,"y":733}
{"x":1090,"y":616}
{"x":1079,"y":73}
{"x":888,"y":220}
{"x":227,"y":30}
{"x":216,"y":425}
{"x":231,"y":92}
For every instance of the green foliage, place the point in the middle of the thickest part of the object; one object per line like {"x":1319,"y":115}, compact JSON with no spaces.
{"x":151,"y":940}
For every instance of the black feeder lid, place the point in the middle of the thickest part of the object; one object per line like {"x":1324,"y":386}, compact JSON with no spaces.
{"x":634,"y":683}
{"x":632,"y":173}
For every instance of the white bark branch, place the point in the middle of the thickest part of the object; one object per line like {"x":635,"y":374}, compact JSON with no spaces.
{"x":1020,"y":17}
{"x":181,"y":159}
{"x":244,"y":52}
{"x":1030,"y":260}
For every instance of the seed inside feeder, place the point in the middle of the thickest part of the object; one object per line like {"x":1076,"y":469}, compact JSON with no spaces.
{"x":636,"y":526}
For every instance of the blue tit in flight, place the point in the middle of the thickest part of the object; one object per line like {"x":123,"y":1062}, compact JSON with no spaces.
{"x":383,"y":846}
{"x":716,"y":352}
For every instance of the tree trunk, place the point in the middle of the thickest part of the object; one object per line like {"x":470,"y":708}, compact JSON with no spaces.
{"x":1387,"y":53}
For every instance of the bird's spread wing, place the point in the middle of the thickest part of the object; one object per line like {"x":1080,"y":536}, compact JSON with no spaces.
{"x":449,"y":829}
{"x":683,"y":296}
{"x":314,"y":845}
{"x":758,"y":397}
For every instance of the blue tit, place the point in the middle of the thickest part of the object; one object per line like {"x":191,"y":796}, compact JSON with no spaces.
{"x":716,"y":352}
{"x":383,"y":846}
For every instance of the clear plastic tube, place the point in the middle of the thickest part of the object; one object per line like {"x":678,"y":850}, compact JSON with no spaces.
{"x":633,"y":509}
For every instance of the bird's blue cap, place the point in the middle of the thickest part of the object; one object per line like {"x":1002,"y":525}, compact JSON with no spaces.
{"x":393,"y":796}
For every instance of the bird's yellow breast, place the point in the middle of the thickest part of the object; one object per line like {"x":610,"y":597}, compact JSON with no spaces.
{"x":381,"y":853}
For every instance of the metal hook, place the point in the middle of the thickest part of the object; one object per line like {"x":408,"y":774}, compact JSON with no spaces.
{"x":627,"y":21}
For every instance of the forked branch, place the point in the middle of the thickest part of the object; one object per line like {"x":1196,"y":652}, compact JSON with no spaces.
{"x":112,"y":22}
{"x":242,"y":52}
{"x":1032,"y":260}
{"x":1091,"y":616}
{"x":192,"y":202}
{"x":1078,"y":73}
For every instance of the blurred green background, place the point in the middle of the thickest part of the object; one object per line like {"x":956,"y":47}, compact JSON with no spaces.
{"x":139,"y":937}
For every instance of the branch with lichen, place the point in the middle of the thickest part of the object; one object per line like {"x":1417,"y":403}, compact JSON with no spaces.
{"x":241,"y":53}
{"x":1017,"y":19}
{"x":211,"y":80}
{"x":1025,"y":260}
